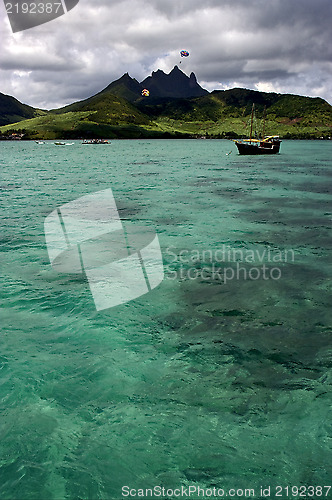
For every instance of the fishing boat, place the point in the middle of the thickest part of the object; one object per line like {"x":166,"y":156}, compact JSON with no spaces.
{"x":263,"y":146}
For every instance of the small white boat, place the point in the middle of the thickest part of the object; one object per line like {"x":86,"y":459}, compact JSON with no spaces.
{"x":60,"y":143}
{"x":96,"y":141}
{"x":39,"y":142}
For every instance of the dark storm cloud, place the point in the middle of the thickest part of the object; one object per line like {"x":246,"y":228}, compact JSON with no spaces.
{"x":280,"y":45}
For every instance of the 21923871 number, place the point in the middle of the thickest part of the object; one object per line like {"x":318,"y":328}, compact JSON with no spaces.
{"x":33,"y":8}
{"x":302,"y":491}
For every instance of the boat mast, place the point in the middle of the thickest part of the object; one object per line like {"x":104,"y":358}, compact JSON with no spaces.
{"x":252,"y":119}
{"x":264,"y":123}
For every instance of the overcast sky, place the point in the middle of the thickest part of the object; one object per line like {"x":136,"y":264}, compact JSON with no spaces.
{"x":270,"y":45}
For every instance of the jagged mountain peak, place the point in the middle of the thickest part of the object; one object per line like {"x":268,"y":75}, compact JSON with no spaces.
{"x":174,"y":84}
{"x":126,"y":76}
{"x":125,"y":86}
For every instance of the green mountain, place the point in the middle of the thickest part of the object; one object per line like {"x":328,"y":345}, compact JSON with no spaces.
{"x":106,"y":107}
{"x":13,"y":111}
{"x":287,"y":107}
{"x":102,"y":115}
{"x":120,"y":110}
{"x":238,"y":103}
{"x":126,"y":88}
{"x":227,"y":112}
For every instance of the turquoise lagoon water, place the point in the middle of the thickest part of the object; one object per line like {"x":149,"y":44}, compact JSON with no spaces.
{"x":203,"y":381}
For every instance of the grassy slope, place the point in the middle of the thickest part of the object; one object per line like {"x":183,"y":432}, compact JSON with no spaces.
{"x":13,"y":111}
{"x":99,"y":116}
{"x":108,"y":108}
{"x":73,"y":125}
